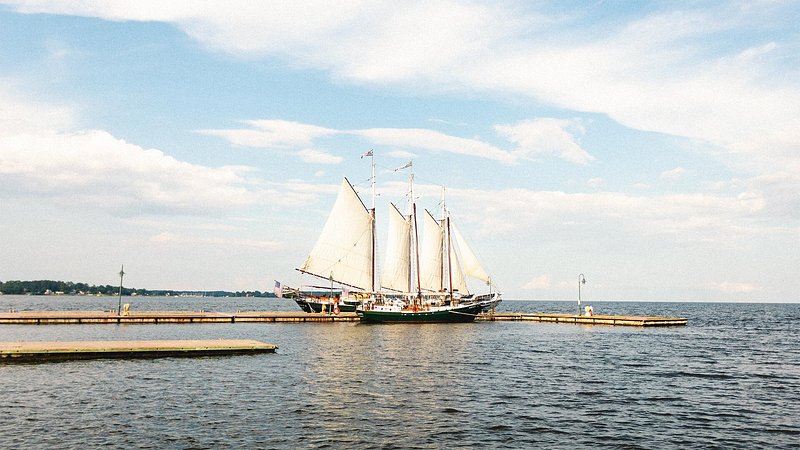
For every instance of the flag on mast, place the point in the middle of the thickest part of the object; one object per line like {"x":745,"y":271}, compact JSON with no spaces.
{"x":405,"y":166}
{"x":368,"y":153}
{"x":278,"y":289}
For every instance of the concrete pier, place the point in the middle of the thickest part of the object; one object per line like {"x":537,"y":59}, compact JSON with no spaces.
{"x":47,"y":351}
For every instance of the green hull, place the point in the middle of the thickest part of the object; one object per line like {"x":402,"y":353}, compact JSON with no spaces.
{"x":458,"y":314}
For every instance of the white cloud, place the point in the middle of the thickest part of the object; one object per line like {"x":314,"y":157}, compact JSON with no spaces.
{"x":673,"y":174}
{"x":540,"y":282}
{"x":109,"y":173}
{"x":401,"y":154}
{"x":546,"y":137}
{"x":167,"y":237}
{"x":318,"y":157}
{"x":20,"y":116}
{"x":673,"y":70}
{"x":93,"y":169}
{"x":685,"y":217}
{"x":538,"y":137}
{"x":735,"y":287}
{"x":272,"y":134}
{"x":424,"y":139}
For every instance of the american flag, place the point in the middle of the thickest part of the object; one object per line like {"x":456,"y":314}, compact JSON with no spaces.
{"x":278,"y":289}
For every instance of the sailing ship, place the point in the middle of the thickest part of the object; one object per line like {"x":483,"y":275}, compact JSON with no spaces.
{"x":423,"y":278}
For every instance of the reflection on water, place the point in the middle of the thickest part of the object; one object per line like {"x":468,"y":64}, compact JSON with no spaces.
{"x":731,"y":379}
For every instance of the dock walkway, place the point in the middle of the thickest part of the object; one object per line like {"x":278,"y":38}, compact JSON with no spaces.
{"x":144,"y":317}
{"x":45,"y":351}
{"x":155,"y":317}
{"x":636,"y":321}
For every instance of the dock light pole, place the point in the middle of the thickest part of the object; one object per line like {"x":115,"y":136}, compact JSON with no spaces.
{"x":119,"y":303}
{"x":581,"y":280}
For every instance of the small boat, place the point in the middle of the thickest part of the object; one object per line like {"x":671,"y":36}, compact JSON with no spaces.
{"x":424,"y":272}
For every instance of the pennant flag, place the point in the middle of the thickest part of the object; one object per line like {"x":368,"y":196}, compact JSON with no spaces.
{"x":406,"y":165}
{"x":369,"y":153}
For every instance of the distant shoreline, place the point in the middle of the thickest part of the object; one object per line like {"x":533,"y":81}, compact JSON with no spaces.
{"x":59,"y":288}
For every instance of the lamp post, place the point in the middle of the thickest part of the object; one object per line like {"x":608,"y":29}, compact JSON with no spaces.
{"x":119,"y":303}
{"x":581,"y":280}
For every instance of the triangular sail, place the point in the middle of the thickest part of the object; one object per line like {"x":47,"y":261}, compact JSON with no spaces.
{"x":395,"y":274}
{"x":344,"y":249}
{"x":430,"y":254}
{"x":456,"y":274}
{"x":469,"y":262}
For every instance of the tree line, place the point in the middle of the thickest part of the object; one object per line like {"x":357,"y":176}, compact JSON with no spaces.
{"x":51,"y":287}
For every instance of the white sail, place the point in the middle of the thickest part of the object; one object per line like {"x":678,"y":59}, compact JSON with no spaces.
{"x":469,"y":262}
{"x":395,"y":273}
{"x":459,"y":283}
{"x":344,"y":249}
{"x":430,"y":254}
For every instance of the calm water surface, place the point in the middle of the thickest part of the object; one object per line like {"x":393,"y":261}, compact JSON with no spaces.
{"x":730,"y":379}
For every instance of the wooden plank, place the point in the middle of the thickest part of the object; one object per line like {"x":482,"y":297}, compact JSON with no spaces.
{"x":61,"y":350}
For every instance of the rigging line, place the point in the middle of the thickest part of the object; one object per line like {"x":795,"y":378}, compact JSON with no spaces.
{"x":463,"y":314}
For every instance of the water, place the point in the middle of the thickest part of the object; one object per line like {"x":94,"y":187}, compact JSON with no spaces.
{"x":730,"y":379}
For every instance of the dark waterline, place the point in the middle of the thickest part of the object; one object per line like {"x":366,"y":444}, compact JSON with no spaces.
{"x":730,"y":379}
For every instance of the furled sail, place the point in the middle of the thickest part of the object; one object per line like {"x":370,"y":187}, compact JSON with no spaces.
{"x":430,"y":254}
{"x":344,"y":249}
{"x":395,"y":273}
{"x":469,"y":262}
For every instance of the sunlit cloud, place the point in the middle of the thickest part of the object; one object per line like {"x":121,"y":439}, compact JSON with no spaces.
{"x":528,"y":140}
{"x":312,"y":156}
{"x":546,"y":136}
{"x":673,"y":70}
{"x":539,"y":282}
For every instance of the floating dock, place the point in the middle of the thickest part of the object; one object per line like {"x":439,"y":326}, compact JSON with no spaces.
{"x":48,"y":351}
{"x":155,"y":317}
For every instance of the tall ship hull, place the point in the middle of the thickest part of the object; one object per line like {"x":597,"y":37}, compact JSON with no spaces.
{"x":318,"y":306}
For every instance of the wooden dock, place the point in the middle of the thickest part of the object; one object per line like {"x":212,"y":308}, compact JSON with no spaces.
{"x":47,"y":351}
{"x":154,"y":317}
{"x":173,"y":317}
{"x":634,"y":321}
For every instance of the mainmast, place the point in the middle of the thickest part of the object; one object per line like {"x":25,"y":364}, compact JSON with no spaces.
{"x":413,"y":204}
{"x":371,"y":154}
{"x":448,"y":243}
{"x":372,"y":212}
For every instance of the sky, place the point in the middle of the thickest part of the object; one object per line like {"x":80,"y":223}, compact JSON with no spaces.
{"x":653,"y":147}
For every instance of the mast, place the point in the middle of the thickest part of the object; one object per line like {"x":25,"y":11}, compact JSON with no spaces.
{"x":449,"y":262}
{"x":371,"y":154}
{"x":449,"y":242}
{"x":372,"y":212}
{"x":416,"y":253}
{"x":416,"y":229}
